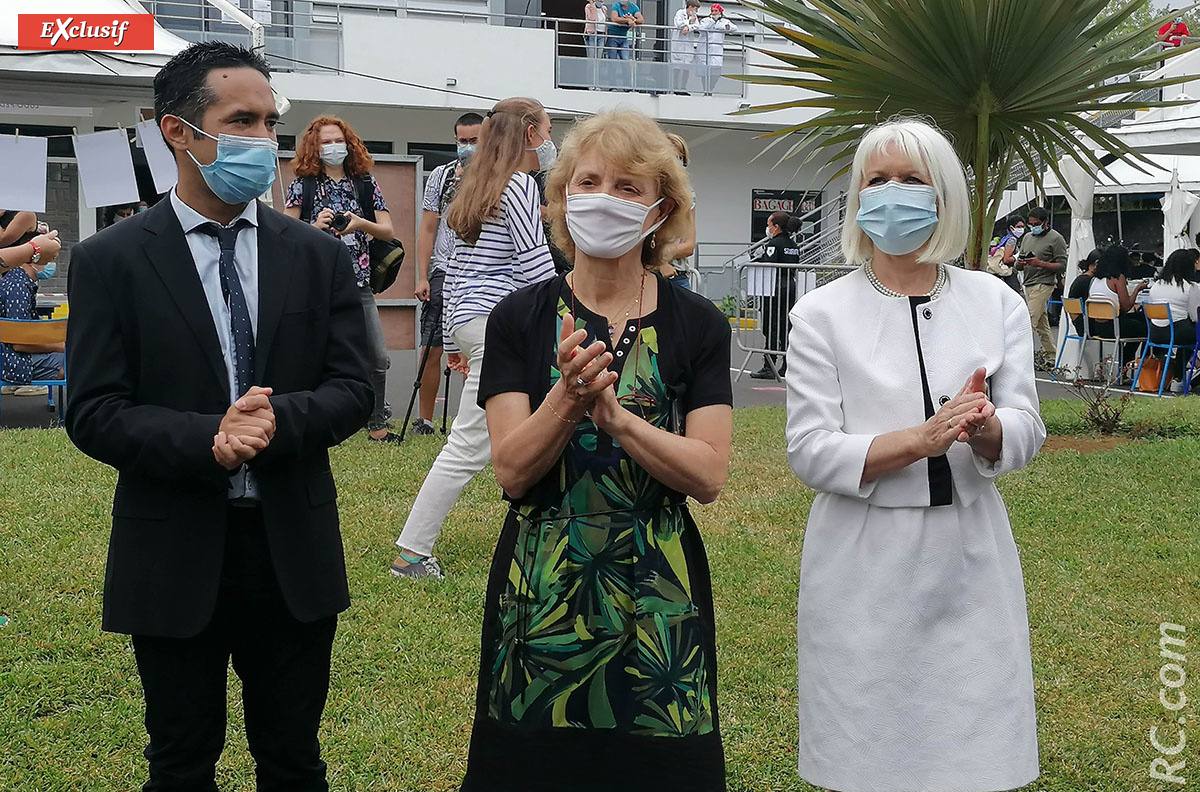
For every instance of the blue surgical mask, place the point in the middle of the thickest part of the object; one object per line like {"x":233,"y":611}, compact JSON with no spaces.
{"x":465,"y":152}
{"x":47,"y":272}
{"x":1036,"y":230}
{"x":898,"y":218}
{"x":244,"y":168}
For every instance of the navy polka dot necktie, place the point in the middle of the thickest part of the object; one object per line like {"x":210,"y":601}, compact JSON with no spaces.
{"x":241,"y":331}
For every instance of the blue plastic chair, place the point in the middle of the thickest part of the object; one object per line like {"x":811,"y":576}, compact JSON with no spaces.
{"x":47,"y":331}
{"x":1158,"y":311}
{"x":1072,"y":308}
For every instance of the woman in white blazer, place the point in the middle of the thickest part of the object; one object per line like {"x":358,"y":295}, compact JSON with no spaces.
{"x":910,"y":389}
{"x":684,"y":37}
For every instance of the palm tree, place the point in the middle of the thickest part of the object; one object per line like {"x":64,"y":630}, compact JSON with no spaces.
{"x":1010,"y":81}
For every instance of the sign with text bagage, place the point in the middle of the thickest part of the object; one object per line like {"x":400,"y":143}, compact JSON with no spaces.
{"x":764,"y":203}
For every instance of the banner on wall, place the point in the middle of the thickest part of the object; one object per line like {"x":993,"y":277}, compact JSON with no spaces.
{"x":764,"y":203}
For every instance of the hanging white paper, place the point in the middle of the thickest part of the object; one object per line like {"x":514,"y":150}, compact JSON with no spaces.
{"x":106,"y":168}
{"x":23,"y":162}
{"x":158,"y":156}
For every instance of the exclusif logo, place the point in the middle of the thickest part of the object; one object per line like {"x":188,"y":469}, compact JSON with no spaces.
{"x":130,"y":32}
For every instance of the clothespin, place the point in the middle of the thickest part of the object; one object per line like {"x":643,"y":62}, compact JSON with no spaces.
{"x":16,"y":134}
{"x":75,"y":131}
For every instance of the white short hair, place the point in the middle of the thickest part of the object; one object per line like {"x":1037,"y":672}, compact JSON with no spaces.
{"x":928,"y":149}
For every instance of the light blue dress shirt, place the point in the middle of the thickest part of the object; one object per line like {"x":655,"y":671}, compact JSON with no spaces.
{"x":206,"y":254}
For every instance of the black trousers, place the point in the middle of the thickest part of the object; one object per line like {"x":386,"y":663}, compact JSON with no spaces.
{"x":776,"y":324}
{"x":283,"y":665}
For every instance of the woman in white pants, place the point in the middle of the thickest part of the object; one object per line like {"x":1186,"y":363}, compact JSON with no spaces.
{"x":501,"y":247}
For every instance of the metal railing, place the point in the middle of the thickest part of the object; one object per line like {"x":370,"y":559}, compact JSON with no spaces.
{"x":766,"y":293}
{"x":306,"y":37}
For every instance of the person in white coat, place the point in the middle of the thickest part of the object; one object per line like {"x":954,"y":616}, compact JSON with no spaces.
{"x":910,"y":389}
{"x":684,"y":40}
{"x":711,"y":52}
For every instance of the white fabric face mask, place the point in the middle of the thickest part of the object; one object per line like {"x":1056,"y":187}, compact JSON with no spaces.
{"x":606,"y":227}
{"x":333,"y":154}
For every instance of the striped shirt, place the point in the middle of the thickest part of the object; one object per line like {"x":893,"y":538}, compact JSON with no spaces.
{"x":511,"y":253}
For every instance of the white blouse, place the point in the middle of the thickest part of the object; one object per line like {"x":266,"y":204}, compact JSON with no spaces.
{"x":1183,"y":302}
{"x":861,"y":364}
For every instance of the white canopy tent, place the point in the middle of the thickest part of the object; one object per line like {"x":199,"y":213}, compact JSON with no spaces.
{"x":1083,"y":238}
{"x":1164,"y":130}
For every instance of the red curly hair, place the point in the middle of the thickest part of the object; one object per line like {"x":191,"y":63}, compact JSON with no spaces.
{"x":307,"y":161}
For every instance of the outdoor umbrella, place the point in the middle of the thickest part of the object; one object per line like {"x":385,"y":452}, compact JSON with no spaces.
{"x":1177,"y":206}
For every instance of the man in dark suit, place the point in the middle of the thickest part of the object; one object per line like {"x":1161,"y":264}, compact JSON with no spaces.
{"x":214,"y":351}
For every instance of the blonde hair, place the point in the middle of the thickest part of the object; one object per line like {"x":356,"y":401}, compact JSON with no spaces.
{"x":501,"y":150}
{"x":631,"y":142}
{"x":681,"y":147}
{"x":930,"y":152}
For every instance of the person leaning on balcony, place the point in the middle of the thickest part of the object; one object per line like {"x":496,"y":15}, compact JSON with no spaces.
{"x":595,"y":15}
{"x":1043,"y":260}
{"x":910,"y":389}
{"x":624,"y":16}
{"x":501,"y":247}
{"x":712,"y":43}
{"x":685,"y":39}
{"x":1173,"y":32}
{"x":677,"y":254}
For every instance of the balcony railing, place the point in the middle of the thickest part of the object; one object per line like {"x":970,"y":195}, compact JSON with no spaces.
{"x":306,"y":37}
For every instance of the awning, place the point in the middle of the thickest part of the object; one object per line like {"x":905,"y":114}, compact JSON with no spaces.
{"x":1164,"y":130}
{"x":1125,"y":178}
{"x":130,"y":68}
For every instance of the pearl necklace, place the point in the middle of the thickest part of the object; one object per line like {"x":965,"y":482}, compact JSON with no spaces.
{"x":933,"y":294}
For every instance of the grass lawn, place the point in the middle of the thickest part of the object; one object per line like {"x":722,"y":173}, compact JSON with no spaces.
{"x":1109,"y":542}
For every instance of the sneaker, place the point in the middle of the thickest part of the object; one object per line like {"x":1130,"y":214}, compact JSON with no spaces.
{"x":1177,"y":386}
{"x":427,"y":567}
{"x":31,"y":390}
{"x":764,"y":373}
{"x":422,"y":427}
{"x":390,"y":437}
{"x":8,"y":390}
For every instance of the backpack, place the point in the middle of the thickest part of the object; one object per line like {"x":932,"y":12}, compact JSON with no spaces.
{"x":386,"y":256}
{"x":995,"y":261}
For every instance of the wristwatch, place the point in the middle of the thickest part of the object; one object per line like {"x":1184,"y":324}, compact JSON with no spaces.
{"x":37,"y":253}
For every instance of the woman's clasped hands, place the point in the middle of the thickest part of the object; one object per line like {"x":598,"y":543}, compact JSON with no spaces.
{"x":586,"y":381}
{"x":961,"y":419}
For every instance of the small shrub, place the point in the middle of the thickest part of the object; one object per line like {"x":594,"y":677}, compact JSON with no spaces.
{"x":1101,"y":411}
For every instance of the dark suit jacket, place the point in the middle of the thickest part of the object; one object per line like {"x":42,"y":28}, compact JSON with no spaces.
{"x":148,"y":390}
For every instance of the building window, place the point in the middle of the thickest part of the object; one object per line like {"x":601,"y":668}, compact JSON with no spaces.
{"x":435,"y":154}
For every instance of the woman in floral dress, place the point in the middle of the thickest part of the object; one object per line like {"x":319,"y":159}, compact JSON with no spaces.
{"x":608,"y":403}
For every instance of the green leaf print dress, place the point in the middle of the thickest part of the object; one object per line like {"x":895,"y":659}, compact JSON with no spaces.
{"x":598,"y":665}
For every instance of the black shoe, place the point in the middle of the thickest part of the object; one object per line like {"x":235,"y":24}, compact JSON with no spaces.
{"x":390,"y":437}
{"x":422,"y":427}
{"x":764,"y":373}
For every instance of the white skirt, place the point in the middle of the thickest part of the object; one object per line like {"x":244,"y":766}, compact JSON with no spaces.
{"x":914,"y":670}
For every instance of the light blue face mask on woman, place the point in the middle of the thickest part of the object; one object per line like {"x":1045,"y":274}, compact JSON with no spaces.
{"x":244,"y":168}
{"x":47,"y":272}
{"x":898,"y":218}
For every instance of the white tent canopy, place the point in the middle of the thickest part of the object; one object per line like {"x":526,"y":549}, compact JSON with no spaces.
{"x":1123,"y":177}
{"x":1164,"y":130}
{"x":107,"y":65}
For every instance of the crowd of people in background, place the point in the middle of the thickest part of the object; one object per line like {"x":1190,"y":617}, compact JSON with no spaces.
{"x":696,"y":45}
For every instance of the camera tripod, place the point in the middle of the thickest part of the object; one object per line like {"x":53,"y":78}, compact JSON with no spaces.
{"x":417,"y":383}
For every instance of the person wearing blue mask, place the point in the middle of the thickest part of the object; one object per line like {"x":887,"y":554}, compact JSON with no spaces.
{"x":910,"y":389}
{"x":22,"y":267}
{"x":217,"y":350}
{"x":1042,"y":262}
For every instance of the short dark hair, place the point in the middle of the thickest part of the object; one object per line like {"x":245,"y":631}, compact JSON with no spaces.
{"x":1114,"y":262}
{"x":1039,"y":213}
{"x":1092,"y":258}
{"x":181,"y":86}
{"x":779,"y":219}
{"x":1014,"y":219}
{"x":467,"y":119}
